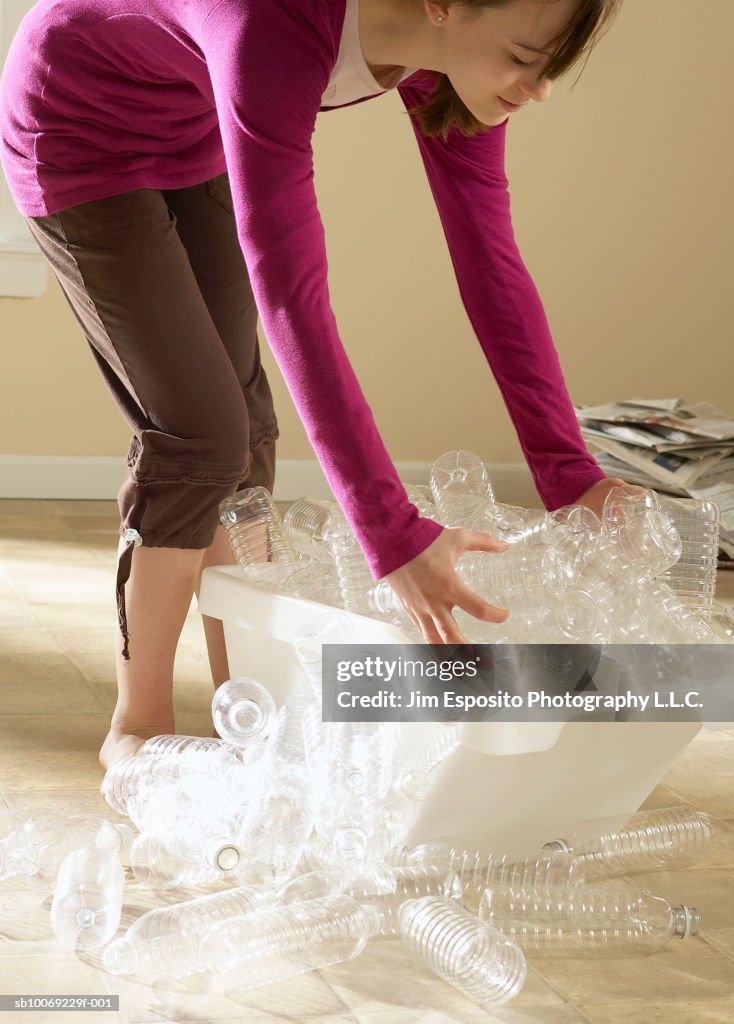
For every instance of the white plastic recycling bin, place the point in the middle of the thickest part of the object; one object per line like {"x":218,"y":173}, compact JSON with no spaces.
{"x":518,"y":783}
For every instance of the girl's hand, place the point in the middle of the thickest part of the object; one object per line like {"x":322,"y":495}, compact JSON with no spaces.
{"x":429,"y":586}
{"x":595,"y":496}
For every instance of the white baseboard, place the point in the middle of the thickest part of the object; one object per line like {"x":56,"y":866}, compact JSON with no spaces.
{"x":73,"y":477}
{"x":90,"y":477}
{"x":23,"y":270}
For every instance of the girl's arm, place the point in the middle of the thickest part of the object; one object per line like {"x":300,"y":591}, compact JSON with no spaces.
{"x":469,"y":185}
{"x":269,"y":64}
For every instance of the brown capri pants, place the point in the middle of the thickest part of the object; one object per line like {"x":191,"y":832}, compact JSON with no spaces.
{"x":159,"y":286}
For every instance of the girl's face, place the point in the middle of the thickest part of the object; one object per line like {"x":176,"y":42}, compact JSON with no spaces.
{"x":487,"y":52}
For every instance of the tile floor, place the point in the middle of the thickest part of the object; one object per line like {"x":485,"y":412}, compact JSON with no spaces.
{"x":56,"y":696}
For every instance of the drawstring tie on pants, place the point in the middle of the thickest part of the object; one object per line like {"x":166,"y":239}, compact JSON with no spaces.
{"x":124,"y":566}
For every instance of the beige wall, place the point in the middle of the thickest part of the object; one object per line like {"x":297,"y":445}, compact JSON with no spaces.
{"x":623,"y":211}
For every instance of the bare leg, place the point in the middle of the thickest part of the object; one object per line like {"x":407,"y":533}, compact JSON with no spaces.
{"x":219,"y":552}
{"x":157,"y":596}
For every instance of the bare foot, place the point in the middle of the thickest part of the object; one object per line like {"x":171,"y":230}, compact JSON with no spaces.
{"x":118,"y":745}
{"x":123,"y":741}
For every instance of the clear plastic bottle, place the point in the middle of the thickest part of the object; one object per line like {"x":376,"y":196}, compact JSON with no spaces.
{"x":283,"y":942}
{"x":315,"y":581}
{"x":625,"y":501}
{"x":353,"y":572}
{"x":38,"y":848}
{"x":534,"y":528}
{"x":662,"y":618}
{"x":287,"y":745}
{"x":577,"y":615}
{"x":313,"y":885}
{"x":422,"y":497}
{"x":406,"y":883}
{"x":349,"y":841}
{"x":243,"y":712}
{"x":383,"y":602}
{"x":613,"y":583}
{"x":175,"y":744}
{"x":164,"y":943}
{"x":587,"y":917}
{"x":420,"y":748}
{"x":169,"y":862}
{"x":575,"y":520}
{"x":12,"y":824}
{"x":314,"y":741}
{"x":393,"y":820}
{"x":358,"y":831}
{"x":126,"y":777}
{"x":255,"y":531}
{"x":87,"y":901}
{"x":649,"y":539}
{"x":617,"y":564}
{"x":326,"y":628}
{"x":461,"y":486}
{"x":123,"y":779}
{"x":360,"y":755}
{"x":510,"y":577}
{"x":648,"y":840}
{"x":275,"y":827}
{"x":725,"y":623}
{"x":512,"y":523}
{"x":576,"y":535}
{"x":555,"y":666}
{"x":183,"y":807}
{"x":693,"y":577}
{"x":306,"y":524}
{"x":481,"y":963}
{"x":505,"y":867}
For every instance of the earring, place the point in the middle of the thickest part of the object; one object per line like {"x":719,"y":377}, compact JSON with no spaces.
{"x":439,"y":17}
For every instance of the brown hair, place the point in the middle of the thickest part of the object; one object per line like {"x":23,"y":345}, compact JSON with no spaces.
{"x":588,"y":24}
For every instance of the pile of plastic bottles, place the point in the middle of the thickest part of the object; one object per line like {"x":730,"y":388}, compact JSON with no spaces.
{"x":295,"y":830}
{"x":645,"y":572}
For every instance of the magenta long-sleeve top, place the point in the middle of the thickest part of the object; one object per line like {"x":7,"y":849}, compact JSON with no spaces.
{"x":103,"y":96}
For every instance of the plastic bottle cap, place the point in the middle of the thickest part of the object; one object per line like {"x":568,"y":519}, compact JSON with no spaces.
{"x":247,"y":717}
{"x":227,"y":858}
{"x":691,"y":919}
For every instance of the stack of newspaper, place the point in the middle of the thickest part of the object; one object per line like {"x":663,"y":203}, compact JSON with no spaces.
{"x":670,"y":445}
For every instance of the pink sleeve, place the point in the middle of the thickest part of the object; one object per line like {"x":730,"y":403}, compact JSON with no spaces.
{"x":468,"y":181}
{"x":269,"y":64}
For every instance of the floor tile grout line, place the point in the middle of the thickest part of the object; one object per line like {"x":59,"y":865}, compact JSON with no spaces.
{"x":711,"y":943}
{"x":554,"y":990}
